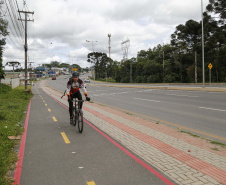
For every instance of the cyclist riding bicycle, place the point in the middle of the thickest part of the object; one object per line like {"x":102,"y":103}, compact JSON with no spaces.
{"x":73,"y":86}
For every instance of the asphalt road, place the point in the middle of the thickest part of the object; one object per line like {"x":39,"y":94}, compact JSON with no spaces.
{"x":203,"y":113}
{"x":88,"y":158}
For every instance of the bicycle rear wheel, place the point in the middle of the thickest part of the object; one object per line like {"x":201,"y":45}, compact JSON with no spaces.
{"x":80,"y":121}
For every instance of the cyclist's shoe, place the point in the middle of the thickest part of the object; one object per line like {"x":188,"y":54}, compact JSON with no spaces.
{"x":71,"y":120}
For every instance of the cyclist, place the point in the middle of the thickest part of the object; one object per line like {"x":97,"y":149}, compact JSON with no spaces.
{"x":73,"y":86}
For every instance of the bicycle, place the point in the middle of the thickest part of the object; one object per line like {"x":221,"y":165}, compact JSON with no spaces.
{"x":77,"y":114}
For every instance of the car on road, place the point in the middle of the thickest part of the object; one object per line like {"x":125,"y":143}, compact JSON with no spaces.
{"x":53,"y":78}
{"x":86,"y":81}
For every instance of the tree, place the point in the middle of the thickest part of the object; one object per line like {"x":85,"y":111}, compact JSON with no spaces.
{"x":216,"y":42}
{"x":218,"y":7}
{"x":3,"y":33}
{"x":188,"y":35}
{"x":54,"y":64}
{"x":100,"y":61}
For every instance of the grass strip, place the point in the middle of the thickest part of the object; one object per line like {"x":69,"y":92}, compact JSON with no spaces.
{"x":13,"y":106}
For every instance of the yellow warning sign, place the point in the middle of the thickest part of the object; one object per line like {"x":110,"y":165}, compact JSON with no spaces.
{"x":210,"y":66}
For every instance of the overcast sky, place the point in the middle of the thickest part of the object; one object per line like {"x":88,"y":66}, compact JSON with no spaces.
{"x":61,"y":27}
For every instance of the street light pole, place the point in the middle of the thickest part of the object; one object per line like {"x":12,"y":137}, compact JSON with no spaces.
{"x":94,"y":57}
{"x":203,"y":69}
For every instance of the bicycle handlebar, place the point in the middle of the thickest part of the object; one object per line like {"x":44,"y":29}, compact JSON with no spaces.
{"x":63,"y":94}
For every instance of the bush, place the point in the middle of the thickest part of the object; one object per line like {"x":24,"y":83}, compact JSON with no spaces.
{"x":138,"y":79}
{"x":125,"y":80}
{"x":171,"y":78}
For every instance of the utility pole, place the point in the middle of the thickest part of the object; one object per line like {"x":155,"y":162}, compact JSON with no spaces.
{"x":25,"y":46}
{"x":163,"y":61}
{"x":30,"y":71}
{"x":109,"y":35}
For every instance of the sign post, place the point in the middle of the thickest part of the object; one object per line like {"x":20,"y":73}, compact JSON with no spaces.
{"x":210,"y":67}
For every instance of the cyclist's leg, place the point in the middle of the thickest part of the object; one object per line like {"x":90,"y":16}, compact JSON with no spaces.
{"x":70,"y":107}
{"x":80,"y":98}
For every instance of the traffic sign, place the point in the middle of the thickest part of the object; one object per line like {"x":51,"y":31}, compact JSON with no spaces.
{"x":210,"y":66}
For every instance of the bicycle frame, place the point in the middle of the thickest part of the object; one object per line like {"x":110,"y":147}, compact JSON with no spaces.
{"x":78,"y":115}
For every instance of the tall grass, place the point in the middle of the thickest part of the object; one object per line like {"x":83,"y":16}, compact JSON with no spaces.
{"x":13,"y":106}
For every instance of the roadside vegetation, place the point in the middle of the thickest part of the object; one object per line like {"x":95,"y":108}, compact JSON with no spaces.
{"x":221,"y":145}
{"x":13,"y":106}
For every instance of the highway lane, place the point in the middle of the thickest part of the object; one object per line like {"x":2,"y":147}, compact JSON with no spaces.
{"x":202,"y":111}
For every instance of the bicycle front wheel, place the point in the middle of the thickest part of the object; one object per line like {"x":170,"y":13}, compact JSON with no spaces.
{"x":80,"y":121}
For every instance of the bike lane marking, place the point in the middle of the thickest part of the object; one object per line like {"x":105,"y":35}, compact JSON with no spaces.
{"x":54,"y":119}
{"x":66,"y":140}
{"x":91,"y":183}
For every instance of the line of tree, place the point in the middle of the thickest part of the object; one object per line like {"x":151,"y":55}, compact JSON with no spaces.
{"x":3,"y":34}
{"x":178,"y":61}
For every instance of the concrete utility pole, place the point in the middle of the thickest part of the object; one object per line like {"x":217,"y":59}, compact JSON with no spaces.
{"x":30,"y":70}
{"x":163,"y":61}
{"x":109,"y":35}
{"x":25,"y":46}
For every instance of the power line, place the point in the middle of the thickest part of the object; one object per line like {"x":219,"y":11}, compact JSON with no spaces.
{"x":13,"y":21}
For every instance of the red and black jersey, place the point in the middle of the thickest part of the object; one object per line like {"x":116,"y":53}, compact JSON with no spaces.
{"x":73,"y":87}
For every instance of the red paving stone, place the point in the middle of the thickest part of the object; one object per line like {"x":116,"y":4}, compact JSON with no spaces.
{"x":193,"y":162}
{"x":201,"y":143}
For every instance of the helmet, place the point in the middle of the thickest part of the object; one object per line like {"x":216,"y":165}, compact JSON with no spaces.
{"x":75,"y":74}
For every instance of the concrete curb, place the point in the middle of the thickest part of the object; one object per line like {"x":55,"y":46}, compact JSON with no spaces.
{"x":165,"y":88}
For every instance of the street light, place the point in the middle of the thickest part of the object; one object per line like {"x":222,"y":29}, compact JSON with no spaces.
{"x":203,"y":70}
{"x":94,"y":57}
{"x":92,"y":43}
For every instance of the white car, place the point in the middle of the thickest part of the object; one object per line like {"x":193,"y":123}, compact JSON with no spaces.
{"x":86,"y":81}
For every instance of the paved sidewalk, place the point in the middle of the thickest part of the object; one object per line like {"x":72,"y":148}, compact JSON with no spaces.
{"x":183,"y":158}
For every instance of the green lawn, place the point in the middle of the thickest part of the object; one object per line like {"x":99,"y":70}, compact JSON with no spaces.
{"x":13,"y":106}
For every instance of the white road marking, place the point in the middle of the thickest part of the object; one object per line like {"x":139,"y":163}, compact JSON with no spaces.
{"x":212,"y":109}
{"x":147,"y":100}
{"x":182,"y":95}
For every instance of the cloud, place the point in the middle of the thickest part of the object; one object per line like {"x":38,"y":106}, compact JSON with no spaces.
{"x":61,"y":27}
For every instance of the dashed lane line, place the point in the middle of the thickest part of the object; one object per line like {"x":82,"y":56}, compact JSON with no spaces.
{"x":66,"y":140}
{"x":212,"y":109}
{"x":146,"y":100}
{"x":54,"y":119}
{"x":91,"y":183}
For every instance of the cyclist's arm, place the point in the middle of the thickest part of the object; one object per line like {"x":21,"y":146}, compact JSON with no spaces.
{"x":83,"y":88}
{"x":68,"y":88}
